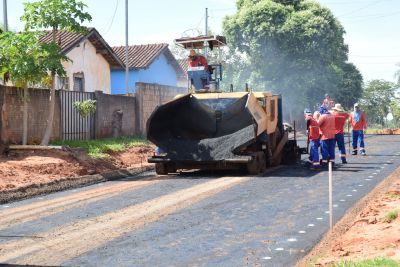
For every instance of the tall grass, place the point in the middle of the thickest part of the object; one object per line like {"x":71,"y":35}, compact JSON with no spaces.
{"x":379,"y":261}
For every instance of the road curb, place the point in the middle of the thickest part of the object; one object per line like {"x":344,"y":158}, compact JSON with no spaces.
{"x":69,"y":183}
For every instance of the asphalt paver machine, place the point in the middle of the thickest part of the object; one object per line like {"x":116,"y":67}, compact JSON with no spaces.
{"x":210,"y":128}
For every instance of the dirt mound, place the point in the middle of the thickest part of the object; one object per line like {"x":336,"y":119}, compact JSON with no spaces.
{"x":373,"y":233}
{"x":27,"y":168}
{"x":133,"y":157}
{"x":389,"y":131}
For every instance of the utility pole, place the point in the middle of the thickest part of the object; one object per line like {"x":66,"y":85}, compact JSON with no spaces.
{"x":206,"y":33}
{"x":5,"y":21}
{"x":126,"y":50}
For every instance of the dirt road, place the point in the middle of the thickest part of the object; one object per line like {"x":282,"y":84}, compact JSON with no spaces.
{"x":190,"y":219}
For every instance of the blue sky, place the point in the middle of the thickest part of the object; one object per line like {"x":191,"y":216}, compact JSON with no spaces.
{"x":372,"y":26}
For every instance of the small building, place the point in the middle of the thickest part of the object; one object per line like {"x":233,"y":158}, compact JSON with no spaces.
{"x":92,"y":60}
{"x":150,"y":63}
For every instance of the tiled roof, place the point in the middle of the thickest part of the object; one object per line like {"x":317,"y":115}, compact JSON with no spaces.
{"x":184,"y":64}
{"x":140,"y":56}
{"x":68,"y":40}
{"x":65,"y":39}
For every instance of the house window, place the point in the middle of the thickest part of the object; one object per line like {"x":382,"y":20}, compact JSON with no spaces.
{"x":63,"y":83}
{"x":79,"y":82}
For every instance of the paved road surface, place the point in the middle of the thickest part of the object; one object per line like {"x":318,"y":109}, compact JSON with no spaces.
{"x":194,"y":219}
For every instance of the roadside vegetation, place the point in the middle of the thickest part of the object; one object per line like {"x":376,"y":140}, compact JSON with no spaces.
{"x":100,"y":148}
{"x":379,"y":261}
{"x":391,"y":216}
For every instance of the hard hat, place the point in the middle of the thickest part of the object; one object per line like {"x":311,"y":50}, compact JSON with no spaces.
{"x":307,"y":111}
{"x":338,"y":107}
{"x":356,"y":105}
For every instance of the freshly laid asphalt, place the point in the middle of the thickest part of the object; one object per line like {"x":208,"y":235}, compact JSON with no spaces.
{"x":270,"y":220}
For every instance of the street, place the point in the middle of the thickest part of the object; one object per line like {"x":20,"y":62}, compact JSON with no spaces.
{"x":193,"y":218}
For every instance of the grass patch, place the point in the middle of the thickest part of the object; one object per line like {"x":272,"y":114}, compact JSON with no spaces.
{"x":394,"y":195}
{"x":379,"y":261}
{"x":99,"y":148}
{"x":391,"y":216}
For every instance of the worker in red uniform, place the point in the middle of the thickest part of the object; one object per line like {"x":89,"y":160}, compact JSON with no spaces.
{"x":328,"y":103}
{"x":196,"y":60}
{"x":326,"y":123}
{"x":340,"y":119}
{"x":358,"y":125}
{"x":313,"y":137}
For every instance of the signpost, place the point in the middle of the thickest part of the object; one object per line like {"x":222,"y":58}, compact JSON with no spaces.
{"x":330,"y":197}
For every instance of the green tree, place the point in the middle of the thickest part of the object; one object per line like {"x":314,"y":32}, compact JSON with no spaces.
{"x":348,"y":91}
{"x":292,"y":47}
{"x":395,"y":109}
{"x":57,"y":15}
{"x":27,"y":62}
{"x":378,"y":97}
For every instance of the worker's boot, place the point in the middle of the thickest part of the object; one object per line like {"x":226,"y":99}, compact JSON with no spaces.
{"x":363,"y":152}
{"x":315,"y":167}
{"x":324,"y":163}
{"x":344,"y":161}
{"x":354,"y":152}
{"x":306,"y":164}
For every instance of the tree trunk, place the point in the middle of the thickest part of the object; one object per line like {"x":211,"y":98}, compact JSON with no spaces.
{"x":52,"y":102}
{"x":50,"y":118}
{"x":25,"y":117}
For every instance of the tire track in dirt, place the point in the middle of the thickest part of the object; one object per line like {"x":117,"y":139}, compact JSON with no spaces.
{"x":30,"y":212}
{"x":66,"y":242}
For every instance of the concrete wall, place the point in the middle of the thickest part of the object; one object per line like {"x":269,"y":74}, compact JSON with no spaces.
{"x":106,"y":119}
{"x":95,"y":68}
{"x":149,"y":96}
{"x":160,"y":72}
{"x":11,"y":115}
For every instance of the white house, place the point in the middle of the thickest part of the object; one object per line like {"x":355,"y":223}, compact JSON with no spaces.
{"x":92,"y":60}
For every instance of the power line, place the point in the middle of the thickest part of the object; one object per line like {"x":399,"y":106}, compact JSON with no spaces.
{"x":356,"y":10}
{"x":362,"y":8}
{"x":112,"y":19}
{"x":201,"y":20}
{"x":376,"y":15}
{"x":372,"y":18}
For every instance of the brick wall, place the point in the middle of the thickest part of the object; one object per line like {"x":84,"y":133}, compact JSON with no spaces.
{"x":148,"y":97}
{"x":106,"y":119}
{"x":134,"y":111}
{"x":11,"y":115}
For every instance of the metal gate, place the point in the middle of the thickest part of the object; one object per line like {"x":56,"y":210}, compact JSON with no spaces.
{"x":73,"y":125}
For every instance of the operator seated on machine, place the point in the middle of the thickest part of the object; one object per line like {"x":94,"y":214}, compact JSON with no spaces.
{"x":198,"y":71}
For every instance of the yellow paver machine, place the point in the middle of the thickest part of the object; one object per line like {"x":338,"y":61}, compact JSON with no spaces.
{"x":213,"y":129}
